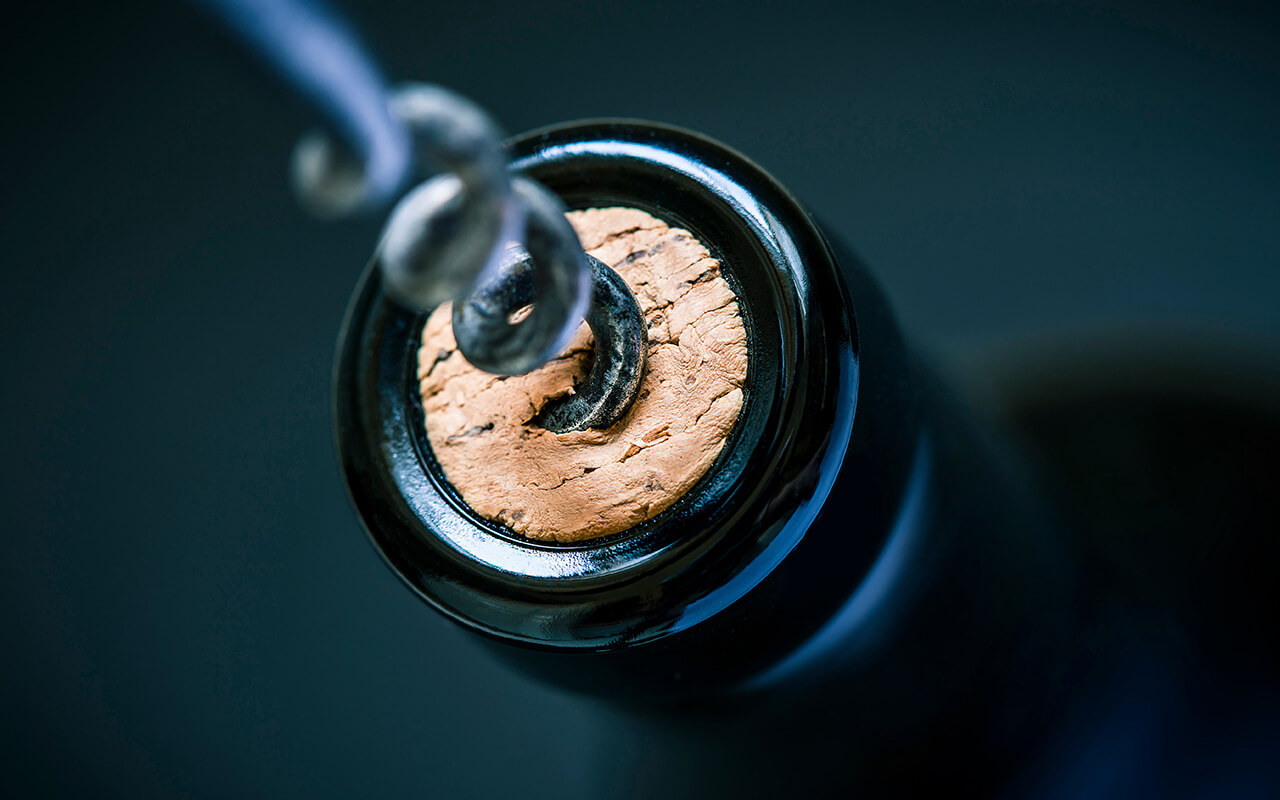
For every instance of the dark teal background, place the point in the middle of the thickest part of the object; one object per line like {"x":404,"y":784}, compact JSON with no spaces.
{"x":192,"y":609}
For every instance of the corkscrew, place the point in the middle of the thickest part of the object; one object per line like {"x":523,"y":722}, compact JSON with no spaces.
{"x":496,"y":245}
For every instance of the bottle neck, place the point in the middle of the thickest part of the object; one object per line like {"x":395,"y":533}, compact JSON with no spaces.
{"x":828,"y":516}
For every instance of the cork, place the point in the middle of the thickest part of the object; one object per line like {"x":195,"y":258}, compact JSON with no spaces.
{"x":578,"y":486}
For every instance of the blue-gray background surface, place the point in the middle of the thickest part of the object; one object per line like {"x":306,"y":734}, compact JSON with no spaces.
{"x":191,"y":607}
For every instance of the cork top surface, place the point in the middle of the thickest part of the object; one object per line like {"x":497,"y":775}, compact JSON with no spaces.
{"x":577,"y":486}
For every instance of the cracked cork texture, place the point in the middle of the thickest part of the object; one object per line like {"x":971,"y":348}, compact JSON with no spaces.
{"x":578,"y":486}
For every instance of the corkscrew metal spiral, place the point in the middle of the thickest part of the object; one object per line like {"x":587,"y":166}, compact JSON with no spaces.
{"x":497,"y":245}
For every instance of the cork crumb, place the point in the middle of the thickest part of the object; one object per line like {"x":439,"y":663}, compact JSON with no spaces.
{"x":578,"y":486}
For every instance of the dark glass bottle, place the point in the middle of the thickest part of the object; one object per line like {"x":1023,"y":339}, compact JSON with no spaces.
{"x":865,"y":591}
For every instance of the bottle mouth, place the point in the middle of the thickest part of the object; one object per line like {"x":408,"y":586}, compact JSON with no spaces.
{"x":739,"y":519}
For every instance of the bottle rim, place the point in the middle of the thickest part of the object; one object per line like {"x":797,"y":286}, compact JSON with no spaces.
{"x":722,"y":536}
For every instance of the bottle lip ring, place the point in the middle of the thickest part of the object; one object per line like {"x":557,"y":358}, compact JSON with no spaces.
{"x":722,"y":536}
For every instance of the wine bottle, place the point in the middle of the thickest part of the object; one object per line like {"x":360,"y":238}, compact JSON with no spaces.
{"x":865,"y":591}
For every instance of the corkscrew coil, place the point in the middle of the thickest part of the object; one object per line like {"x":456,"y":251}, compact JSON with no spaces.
{"x":452,"y":238}
{"x":496,"y":245}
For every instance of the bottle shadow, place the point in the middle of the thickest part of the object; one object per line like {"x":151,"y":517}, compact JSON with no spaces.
{"x":1162,"y":451}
